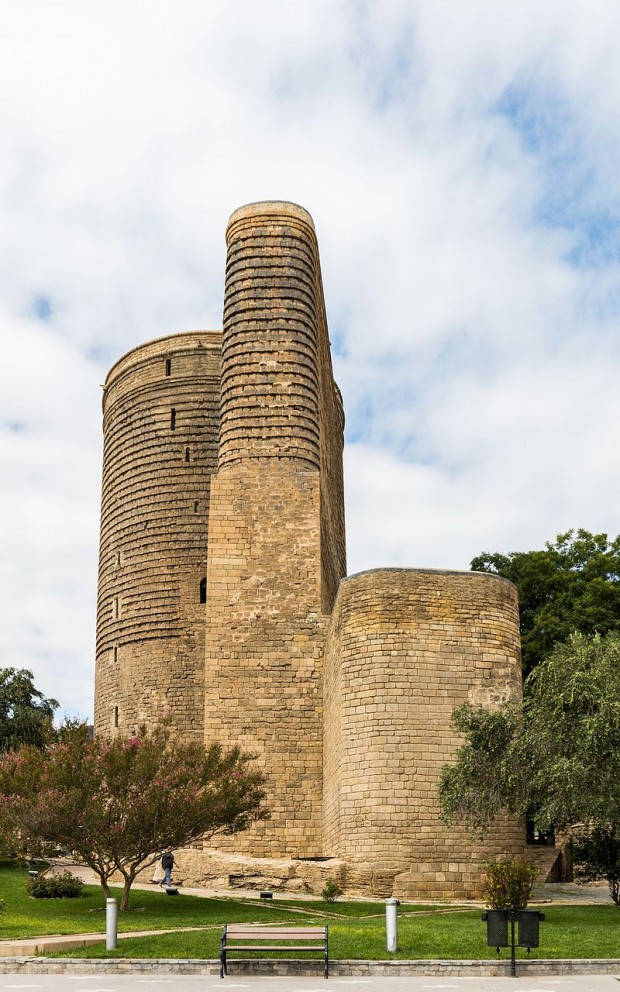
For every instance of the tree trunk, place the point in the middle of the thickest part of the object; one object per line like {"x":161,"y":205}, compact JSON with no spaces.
{"x":103,"y":881}
{"x":126,"y":890}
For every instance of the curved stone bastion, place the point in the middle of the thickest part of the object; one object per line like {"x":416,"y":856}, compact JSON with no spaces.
{"x":404,"y":647}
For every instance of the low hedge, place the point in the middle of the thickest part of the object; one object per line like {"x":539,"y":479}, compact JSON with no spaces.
{"x":65,"y":886}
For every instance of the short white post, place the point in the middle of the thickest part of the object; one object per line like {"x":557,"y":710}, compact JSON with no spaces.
{"x":391,"y":924}
{"x":111,"y":924}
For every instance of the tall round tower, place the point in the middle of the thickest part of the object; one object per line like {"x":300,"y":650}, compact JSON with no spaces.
{"x":160,"y":422}
{"x":276,"y":538}
{"x":270,"y":366}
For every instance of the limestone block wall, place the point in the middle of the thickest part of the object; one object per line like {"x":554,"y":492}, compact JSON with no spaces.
{"x":404,"y":648}
{"x":278,"y":395}
{"x":160,"y":419}
{"x":221,"y":601}
{"x":270,"y":373}
{"x":272,"y":516}
{"x":333,"y":545}
{"x":264,"y":635}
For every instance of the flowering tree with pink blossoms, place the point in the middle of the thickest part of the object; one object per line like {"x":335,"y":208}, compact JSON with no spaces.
{"x":117,"y":803}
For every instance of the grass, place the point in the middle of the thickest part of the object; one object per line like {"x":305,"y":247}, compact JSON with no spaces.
{"x":27,"y":917}
{"x":357,"y":929}
{"x":567,"y":932}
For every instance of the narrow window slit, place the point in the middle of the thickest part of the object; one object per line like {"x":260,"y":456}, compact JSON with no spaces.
{"x":173,"y":419}
{"x":203,"y":590}
{"x":116,"y":716}
{"x":187,"y":454}
{"x":196,"y":505}
{"x":168,"y":366}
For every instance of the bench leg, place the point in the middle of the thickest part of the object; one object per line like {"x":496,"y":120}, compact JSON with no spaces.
{"x":223,"y":970}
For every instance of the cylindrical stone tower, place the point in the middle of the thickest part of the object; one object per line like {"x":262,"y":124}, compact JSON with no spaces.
{"x":270,"y":365}
{"x":160,"y":421}
{"x":404,"y":648}
{"x":276,"y":530}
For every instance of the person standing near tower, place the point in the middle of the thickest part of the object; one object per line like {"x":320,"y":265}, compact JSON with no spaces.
{"x":167,"y":863}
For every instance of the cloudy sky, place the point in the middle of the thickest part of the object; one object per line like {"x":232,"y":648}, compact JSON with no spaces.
{"x":461,"y":160}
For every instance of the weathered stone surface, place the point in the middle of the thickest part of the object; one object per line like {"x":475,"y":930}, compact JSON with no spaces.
{"x":223,"y":466}
{"x":160,"y":423}
{"x":403,"y":649}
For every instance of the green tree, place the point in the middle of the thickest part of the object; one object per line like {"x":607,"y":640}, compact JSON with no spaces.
{"x":116,"y":803}
{"x":555,"y":758}
{"x":25,"y":713}
{"x":597,"y":855}
{"x":571,"y":585}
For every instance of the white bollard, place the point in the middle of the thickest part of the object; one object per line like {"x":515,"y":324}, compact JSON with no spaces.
{"x":391,"y":924}
{"x":111,"y":924}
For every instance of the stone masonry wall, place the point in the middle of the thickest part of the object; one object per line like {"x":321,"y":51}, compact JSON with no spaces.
{"x":279,"y":398}
{"x":264,"y":635}
{"x":271,"y":520}
{"x":404,"y":648}
{"x":270,"y":373}
{"x":221,"y":602}
{"x":160,"y":409}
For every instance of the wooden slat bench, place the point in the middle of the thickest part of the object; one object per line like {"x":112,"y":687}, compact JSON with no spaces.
{"x":245,"y":937}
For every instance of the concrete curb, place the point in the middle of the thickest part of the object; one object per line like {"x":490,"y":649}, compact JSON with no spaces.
{"x":197,"y":966}
{"x":28,"y":947}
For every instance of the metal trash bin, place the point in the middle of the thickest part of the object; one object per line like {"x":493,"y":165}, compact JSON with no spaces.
{"x":529,"y":927}
{"x":497,"y":927}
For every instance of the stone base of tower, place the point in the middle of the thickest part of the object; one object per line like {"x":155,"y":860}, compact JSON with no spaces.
{"x":210,"y":868}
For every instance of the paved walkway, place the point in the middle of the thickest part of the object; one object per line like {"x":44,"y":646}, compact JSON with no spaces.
{"x":257,"y":983}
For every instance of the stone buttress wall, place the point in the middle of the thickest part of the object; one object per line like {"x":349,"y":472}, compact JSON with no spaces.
{"x":160,"y":409}
{"x":271,"y":517}
{"x":403,"y":649}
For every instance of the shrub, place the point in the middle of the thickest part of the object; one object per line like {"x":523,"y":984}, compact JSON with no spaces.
{"x":65,"y":886}
{"x":508,"y":883}
{"x":331,"y":890}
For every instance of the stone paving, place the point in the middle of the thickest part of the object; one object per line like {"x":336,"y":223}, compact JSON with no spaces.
{"x":100,"y":982}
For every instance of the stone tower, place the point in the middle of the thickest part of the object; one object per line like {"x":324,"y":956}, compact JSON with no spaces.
{"x":160,"y":426}
{"x":276,"y":531}
{"x":223,"y":601}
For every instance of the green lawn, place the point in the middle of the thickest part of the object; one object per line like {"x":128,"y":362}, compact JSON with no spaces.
{"x":567,"y":932}
{"x":357,"y":929}
{"x":150,"y":910}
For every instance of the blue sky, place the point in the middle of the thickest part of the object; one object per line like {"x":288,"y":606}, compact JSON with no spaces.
{"x":462,"y":165}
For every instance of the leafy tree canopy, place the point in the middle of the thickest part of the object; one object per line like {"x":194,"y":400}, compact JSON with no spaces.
{"x":117,"y":803}
{"x":25,"y":713}
{"x":555,"y":757}
{"x":571,"y":585}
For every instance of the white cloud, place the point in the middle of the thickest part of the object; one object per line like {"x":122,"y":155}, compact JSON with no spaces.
{"x":462,"y":168}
